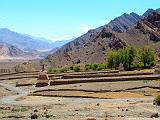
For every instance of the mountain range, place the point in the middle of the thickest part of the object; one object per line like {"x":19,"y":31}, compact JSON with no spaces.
{"x":124,"y":30}
{"x":27,"y":44}
{"x":89,"y":48}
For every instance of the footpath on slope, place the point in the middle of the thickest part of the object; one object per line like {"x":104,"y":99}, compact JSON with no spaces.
{"x":12,"y":99}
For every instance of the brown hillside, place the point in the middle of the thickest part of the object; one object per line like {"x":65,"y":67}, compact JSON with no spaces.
{"x":94,"y":47}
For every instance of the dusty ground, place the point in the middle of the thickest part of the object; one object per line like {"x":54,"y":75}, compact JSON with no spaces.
{"x":5,"y":92}
{"x":81,"y":108}
{"x":131,"y":100}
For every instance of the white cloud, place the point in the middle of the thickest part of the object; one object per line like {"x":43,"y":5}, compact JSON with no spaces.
{"x":85,"y":27}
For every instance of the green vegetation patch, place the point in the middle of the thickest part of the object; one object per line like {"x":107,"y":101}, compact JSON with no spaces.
{"x":131,"y":57}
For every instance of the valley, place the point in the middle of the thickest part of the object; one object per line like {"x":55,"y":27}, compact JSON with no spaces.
{"x":111,"y":72}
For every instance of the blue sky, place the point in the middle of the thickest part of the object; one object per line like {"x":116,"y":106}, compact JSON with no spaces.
{"x":65,"y":19}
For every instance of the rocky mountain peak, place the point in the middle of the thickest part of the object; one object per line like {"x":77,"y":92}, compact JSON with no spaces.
{"x":148,"y":12}
{"x":123,"y":22}
{"x":154,"y":18}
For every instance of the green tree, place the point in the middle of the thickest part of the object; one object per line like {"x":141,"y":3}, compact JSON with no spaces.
{"x":132,"y":54}
{"x":147,"y":56}
{"x":124,"y":58}
{"x":117,"y":58}
{"x":128,"y":55}
{"x":131,"y":57}
{"x":111,"y":59}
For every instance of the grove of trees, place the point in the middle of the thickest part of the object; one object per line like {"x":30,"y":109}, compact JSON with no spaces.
{"x":131,"y":57}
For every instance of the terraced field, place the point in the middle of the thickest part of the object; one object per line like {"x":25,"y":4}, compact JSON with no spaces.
{"x":80,"y":96}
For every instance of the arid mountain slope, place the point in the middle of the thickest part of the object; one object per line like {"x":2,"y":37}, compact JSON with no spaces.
{"x":92,"y":47}
{"x":147,"y":31}
{"x":92,"y":50}
{"x":124,"y":22}
{"x":11,"y":51}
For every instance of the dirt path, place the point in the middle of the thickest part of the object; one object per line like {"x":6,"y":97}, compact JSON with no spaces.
{"x":12,"y":99}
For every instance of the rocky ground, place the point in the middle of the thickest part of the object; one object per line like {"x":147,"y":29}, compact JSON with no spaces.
{"x":81,"y":109}
{"x":120,"y":100}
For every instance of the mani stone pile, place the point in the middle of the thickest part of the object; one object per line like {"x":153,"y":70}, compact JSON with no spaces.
{"x":43,"y":79}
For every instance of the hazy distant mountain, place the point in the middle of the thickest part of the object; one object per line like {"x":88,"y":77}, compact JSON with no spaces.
{"x":40,"y":39}
{"x":23,"y":42}
{"x":61,"y":42}
{"x":11,"y":51}
{"x":55,"y":44}
{"x":28,"y":43}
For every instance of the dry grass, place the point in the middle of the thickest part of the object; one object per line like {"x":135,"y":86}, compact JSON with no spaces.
{"x":105,"y":95}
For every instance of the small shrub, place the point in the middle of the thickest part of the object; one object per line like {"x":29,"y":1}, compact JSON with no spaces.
{"x":63,"y":70}
{"x":157,"y":101}
{"x":55,"y":70}
{"x":101,"y":67}
{"x":76,"y":68}
{"x":94,"y":66}
{"x":71,"y":68}
{"x":50,"y":70}
{"x":87,"y":67}
{"x":90,"y":66}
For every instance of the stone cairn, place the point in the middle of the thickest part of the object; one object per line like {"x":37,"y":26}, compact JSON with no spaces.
{"x":43,"y":79}
{"x":121,"y":67}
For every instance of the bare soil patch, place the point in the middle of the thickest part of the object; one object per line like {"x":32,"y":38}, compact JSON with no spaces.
{"x":5,"y":92}
{"x":81,"y":94}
